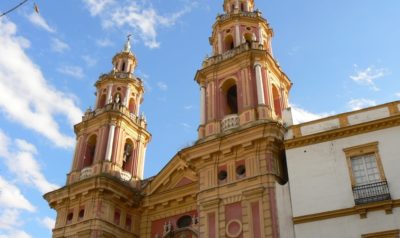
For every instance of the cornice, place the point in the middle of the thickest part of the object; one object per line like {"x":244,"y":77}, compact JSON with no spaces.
{"x":361,"y":210}
{"x":343,"y":132}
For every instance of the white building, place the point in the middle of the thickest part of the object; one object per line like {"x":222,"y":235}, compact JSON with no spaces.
{"x":344,"y":174}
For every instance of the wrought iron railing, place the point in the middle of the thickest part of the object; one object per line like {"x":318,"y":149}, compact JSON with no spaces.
{"x":373,"y":192}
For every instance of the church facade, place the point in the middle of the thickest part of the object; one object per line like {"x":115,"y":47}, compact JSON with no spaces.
{"x":246,"y":175}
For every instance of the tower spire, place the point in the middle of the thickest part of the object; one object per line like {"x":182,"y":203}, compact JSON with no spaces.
{"x":127,"y":46}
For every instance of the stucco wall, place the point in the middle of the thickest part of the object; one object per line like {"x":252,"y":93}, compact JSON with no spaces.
{"x":319,"y":176}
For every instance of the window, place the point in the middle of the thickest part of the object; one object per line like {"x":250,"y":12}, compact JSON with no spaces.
{"x":231,"y":99}
{"x":128,"y":222}
{"x":70,"y":216}
{"x":90,"y":151}
{"x":184,"y":221}
{"x":365,"y":166}
{"x":81,"y":213}
{"x":117,"y":216}
{"x":366,"y":174}
{"x":365,"y":169}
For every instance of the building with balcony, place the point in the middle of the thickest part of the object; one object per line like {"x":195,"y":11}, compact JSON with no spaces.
{"x":343,"y":173}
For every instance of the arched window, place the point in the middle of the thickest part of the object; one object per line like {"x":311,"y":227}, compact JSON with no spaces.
{"x":242,"y":7}
{"x":132,"y":106}
{"x":231,"y":99}
{"x":102,"y":101}
{"x":127,"y":162}
{"x":184,"y":221}
{"x":123,"y":66}
{"x":229,"y":102}
{"x":229,"y":45}
{"x":90,"y":151}
{"x":277,"y":101}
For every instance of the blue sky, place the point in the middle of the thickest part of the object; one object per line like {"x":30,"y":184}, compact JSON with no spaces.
{"x":340,"y":55}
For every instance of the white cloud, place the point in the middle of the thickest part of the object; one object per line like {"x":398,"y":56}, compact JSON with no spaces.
{"x":162,"y":86}
{"x":301,"y":115}
{"x":89,"y":60}
{"x":188,"y":107}
{"x":97,"y":6}
{"x":104,"y":43}
{"x":11,"y":199}
{"x":48,"y":223}
{"x":15,"y":234}
{"x":398,"y":94}
{"x":20,"y":161}
{"x":135,"y":16}
{"x":357,"y":104}
{"x":368,"y":76}
{"x":74,"y":71}
{"x":31,"y":103}
{"x":59,"y":46}
{"x":40,"y":22}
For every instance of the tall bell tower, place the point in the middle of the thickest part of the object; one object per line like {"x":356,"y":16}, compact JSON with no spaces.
{"x":102,"y":193}
{"x":241,"y":82}
{"x":243,"y":190}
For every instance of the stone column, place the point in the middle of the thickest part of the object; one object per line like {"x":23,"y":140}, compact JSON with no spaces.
{"x":109,"y":94}
{"x":202,"y":105}
{"x":110,"y":142}
{"x":237,"y":31}
{"x":219,"y":43}
{"x":259,"y":82}
{"x":127,"y":95}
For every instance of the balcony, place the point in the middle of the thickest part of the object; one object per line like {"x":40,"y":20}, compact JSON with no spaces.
{"x":373,"y":192}
{"x":86,"y":172}
{"x":229,"y":122}
{"x":125,"y":176}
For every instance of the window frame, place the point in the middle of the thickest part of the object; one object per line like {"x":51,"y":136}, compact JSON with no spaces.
{"x":360,"y":150}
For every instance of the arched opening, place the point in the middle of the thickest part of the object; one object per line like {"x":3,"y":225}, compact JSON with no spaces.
{"x":102,"y":101}
{"x":242,"y":7}
{"x":123,"y":66}
{"x":132,"y":106}
{"x":231,"y":99}
{"x":127,"y":161}
{"x":184,"y":221}
{"x":90,"y":151}
{"x":233,"y":8}
{"x":277,"y":101}
{"x":229,"y":45}
{"x":248,"y":38}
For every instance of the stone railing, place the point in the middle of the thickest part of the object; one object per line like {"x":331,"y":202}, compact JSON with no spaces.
{"x":232,"y":53}
{"x":125,"y":176}
{"x":224,"y":17}
{"x":116,"y":107}
{"x":230,"y":121}
{"x":86,"y":172}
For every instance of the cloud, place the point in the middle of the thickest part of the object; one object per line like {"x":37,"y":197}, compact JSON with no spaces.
{"x":74,"y":71}
{"x":20,"y":161}
{"x":97,"y":6}
{"x":357,"y":104}
{"x":368,"y":76}
{"x":31,"y":103}
{"x":11,"y":199}
{"x":188,"y":107}
{"x":162,"y":86}
{"x":89,"y":60}
{"x":15,"y":234}
{"x":104,"y":42}
{"x":59,"y":46}
{"x":301,"y":115}
{"x":48,"y":223}
{"x":136,"y":16}
{"x":398,"y":94}
{"x":39,"y":21}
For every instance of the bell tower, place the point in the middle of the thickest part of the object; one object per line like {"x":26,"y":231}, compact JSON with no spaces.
{"x":102,"y":193}
{"x":240,"y":82}
{"x":239,"y":155}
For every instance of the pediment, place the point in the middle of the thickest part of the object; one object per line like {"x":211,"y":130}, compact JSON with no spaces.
{"x":176,"y":174}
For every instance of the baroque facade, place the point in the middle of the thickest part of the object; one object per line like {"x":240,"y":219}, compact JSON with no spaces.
{"x":234,"y":181}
